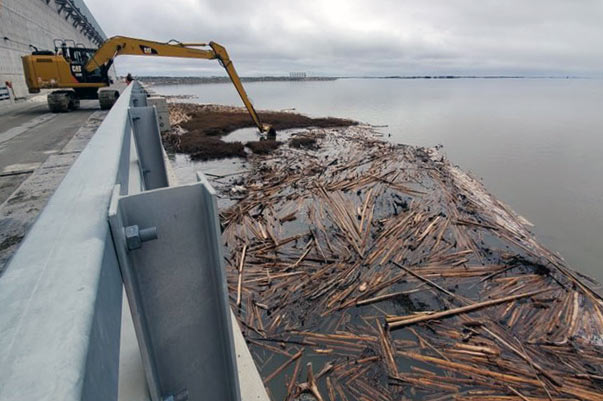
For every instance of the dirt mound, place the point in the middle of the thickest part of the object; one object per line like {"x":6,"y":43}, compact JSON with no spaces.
{"x":204,"y":124}
{"x":215,"y":122}
{"x":206,"y":148}
{"x":263,"y":147}
{"x":306,"y":142}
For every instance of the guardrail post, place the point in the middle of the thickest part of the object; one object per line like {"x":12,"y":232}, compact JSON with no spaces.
{"x":148,"y":144}
{"x":139,"y":95}
{"x":176,"y":290}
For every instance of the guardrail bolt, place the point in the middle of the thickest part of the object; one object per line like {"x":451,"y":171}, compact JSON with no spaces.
{"x":181,"y":396}
{"x":135,"y":236}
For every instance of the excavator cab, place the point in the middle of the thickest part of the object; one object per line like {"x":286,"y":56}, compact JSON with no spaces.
{"x":77,"y":55}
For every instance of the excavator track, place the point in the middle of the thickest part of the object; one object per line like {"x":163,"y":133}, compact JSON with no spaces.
{"x":63,"y":101}
{"x":107,"y":98}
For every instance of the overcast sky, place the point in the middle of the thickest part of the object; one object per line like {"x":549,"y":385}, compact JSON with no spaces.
{"x":367,"y":37}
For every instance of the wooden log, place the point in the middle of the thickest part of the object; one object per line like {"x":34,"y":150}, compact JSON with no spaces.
{"x":310,"y":385}
{"x":397,"y":322}
{"x":469,"y":369}
{"x":291,"y":385}
{"x":384,"y":297}
{"x":283,"y":366}
{"x":240,"y":283}
{"x":431,"y":283}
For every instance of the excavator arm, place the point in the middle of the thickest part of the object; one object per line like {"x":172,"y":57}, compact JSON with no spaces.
{"x":121,"y":45}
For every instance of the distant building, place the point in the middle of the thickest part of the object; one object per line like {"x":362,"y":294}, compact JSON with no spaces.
{"x":297,"y":75}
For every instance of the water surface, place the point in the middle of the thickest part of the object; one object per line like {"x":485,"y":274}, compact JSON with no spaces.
{"x":537,"y":144}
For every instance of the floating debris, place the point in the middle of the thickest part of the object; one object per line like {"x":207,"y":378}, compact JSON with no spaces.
{"x":398,"y":277}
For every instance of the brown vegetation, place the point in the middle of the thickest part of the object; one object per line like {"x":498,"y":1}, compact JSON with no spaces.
{"x":215,"y":122}
{"x":204,"y":124}
{"x":206,"y":148}
{"x":263,"y":147}
{"x":201,"y":147}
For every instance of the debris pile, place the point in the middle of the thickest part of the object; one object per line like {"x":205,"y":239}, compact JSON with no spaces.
{"x":364,"y":270}
{"x":199,"y":129}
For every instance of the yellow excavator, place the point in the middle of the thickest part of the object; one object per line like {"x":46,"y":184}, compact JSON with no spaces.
{"x":83,"y":73}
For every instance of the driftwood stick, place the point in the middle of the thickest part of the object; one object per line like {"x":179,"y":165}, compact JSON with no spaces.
{"x":517,"y":393}
{"x":469,"y":369}
{"x":524,"y":355}
{"x":226,"y":175}
{"x":240,"y":283}
{"x":291,"y":385}
{"x":425,"y":280}
{"x":283,"y":366}
{"x":397,"y":322}
{"x":384,"y":297}
{"x":310,"y":385}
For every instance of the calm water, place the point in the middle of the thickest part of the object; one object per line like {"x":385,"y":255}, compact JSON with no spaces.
{"x":537,"y":144}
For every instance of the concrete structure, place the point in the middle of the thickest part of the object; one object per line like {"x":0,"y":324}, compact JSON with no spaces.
{"x":38,"y":23}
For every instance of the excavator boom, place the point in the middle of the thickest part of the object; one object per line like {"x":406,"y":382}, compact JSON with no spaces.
{"x":82,"y":73}
{"x":121,"y":45}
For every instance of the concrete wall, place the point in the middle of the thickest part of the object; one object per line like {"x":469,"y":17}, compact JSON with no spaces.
{"x":38,"y":22}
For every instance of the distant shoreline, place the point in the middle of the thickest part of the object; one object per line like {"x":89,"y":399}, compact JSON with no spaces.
{"x":165,"y":80}
{"x":465,"y":77}
{"x":213,"y":80}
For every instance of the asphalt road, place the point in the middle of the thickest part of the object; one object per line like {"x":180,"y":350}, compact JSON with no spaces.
{"x":29,"y":134}
{"x":37,"y":149}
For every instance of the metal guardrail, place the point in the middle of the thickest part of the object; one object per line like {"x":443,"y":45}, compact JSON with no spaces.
{"x":61,"y":294}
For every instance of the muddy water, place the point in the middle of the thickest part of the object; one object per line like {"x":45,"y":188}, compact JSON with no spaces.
{"x":251,"y":134}
{"x":537,"y":143}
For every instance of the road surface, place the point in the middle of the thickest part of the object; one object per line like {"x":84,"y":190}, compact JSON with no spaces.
{"x":37,"y":148}
{"x":29,"y":134}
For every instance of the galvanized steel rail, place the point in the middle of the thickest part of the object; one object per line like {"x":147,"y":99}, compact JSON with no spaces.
{"x":61,"y":294}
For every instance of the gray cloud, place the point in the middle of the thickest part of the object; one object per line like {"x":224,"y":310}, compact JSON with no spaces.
{"x":367,"y":37}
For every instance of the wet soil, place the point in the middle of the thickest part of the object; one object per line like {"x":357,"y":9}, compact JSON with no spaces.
{"x":306,"y":142}
{"x":263,"y":147}
{"x":198,"y":130}
{"x":206,"y":148}
{"x":214,"y":122}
